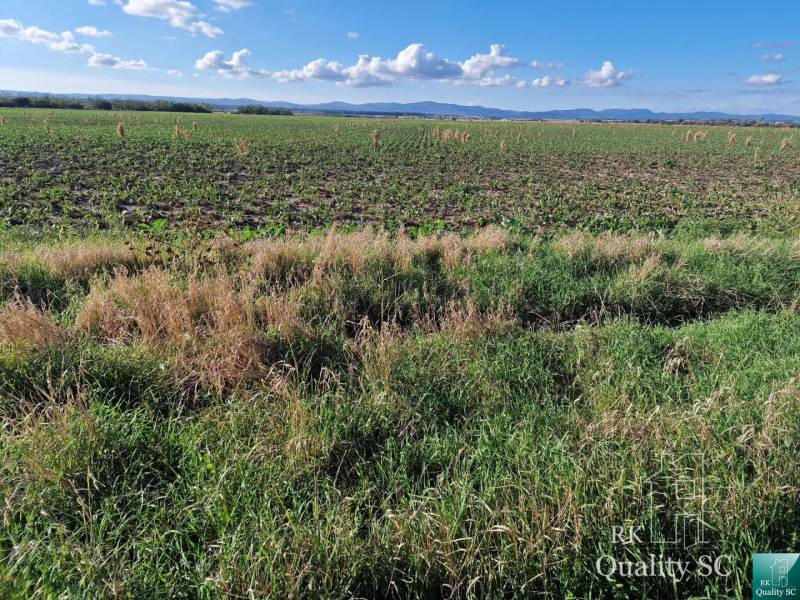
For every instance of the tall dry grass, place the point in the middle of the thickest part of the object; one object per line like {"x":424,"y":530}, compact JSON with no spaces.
{"x":79,"y":260}
{"x":213,"y":325}
{"x":24,"y":325}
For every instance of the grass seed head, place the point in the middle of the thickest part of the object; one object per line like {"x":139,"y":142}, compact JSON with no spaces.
{"x":376,"y":139}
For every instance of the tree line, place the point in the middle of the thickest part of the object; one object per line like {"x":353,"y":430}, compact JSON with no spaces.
{"x":127,"y":105}
{"x":101,"y":104}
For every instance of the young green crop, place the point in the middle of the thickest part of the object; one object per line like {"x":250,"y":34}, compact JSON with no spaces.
{"x":72,"y":168}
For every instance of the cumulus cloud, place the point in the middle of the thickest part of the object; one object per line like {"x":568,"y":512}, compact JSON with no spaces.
{"x":606,"y":76}
{"x":180,"y":14}
{"x":482,"y":66}
{"x":106,"y":60}
{"x":772,"y":57}
{"x":175,"y":73}
{"x":231,"y":5}
{"x":415,"y":62}
{"x":89,"y":31}
{"x":58,"y":42}
{"x":352,"y":35}
{"x":765,"y":79}
{"x":235,"y":68}
{"x":548,"y":81}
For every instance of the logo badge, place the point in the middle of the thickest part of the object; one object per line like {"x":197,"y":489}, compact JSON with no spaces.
{"x":776,"y":576}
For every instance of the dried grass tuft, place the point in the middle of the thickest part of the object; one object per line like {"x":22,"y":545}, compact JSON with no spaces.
{"x":242,"y":147}
{"x":375,"y":136}
{"x":24,"y":325}
{"x":739,"y":244}
{"x":465,"y":319}
{"x":147,"y":307}
{"x":209,"y":324}
{"x":607,"y":247}
{"x":85,"y":259}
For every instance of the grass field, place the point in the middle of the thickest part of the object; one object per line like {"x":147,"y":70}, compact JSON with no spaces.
{"x":286,"y":357}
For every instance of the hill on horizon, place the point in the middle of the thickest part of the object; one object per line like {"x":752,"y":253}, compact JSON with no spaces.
{"x":441,"y":109}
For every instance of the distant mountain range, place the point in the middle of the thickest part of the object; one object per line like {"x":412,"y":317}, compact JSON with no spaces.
{"x":439,"y":109}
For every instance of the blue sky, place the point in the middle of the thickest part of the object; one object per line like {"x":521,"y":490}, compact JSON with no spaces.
{"x":734,"y":56}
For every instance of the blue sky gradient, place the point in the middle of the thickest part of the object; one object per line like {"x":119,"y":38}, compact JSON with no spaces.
{"x":733,"y":56}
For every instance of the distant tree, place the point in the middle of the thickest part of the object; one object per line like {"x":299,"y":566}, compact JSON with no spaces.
{"x":255,"y":109}
{"x":99,"y":104}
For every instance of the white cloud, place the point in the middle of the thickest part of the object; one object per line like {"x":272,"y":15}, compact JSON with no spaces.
{"x":548,"y":81}
{"x":482,"y":66}
{"x":65,"y":42}
{"x":97,"y":2}
{"x":107,"y":60}
{"x":606,"y":76}
{"x":352,"y":35}
{"x":235,"y":68}
{"x":765,"y":79}
{"x":58,"y":42}
{"x":538,"y":64}
{"x":90,"y":31}
{"x":772,"y":57}
{"x":760,"y":45}
{"x":498,"y":81}
{"x":180,"y":14}
{"x":414,"y":62}
{"x":175,"y":73}
{"x":317,"y":69}
{"x":231,"y":5}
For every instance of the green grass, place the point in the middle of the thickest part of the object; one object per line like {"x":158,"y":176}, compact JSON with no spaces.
{"x":435,"y":428}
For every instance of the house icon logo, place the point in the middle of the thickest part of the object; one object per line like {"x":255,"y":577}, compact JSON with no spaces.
{"x":776,"y":575}
{"x":675,"y":500}
{"x":779,"y":570}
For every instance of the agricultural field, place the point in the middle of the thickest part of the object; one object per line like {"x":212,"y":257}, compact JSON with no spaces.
{"x":317,"y":357}
{"x":109,"y":169}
